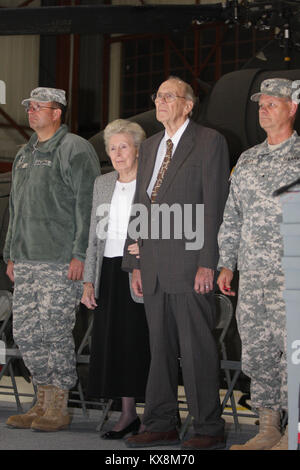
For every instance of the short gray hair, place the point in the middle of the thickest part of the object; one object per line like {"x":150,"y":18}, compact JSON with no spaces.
{"x":188,"y":90}
{"x":123,"y":126}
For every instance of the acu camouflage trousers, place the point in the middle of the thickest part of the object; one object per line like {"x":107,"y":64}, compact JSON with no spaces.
{"x":261,"y":321}
{"x":44,"y":312}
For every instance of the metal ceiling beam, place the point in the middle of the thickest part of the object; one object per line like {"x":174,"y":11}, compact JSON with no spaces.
{"x":83,"y":19}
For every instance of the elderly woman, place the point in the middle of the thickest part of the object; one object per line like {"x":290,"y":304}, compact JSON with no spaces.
{"x":120,"y":354}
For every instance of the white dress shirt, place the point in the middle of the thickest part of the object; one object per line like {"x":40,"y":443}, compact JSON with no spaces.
{"x":161,"y":152}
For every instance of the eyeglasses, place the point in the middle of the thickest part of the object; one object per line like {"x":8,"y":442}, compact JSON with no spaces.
{"x":270,"y":105}
{"x":167,"y":97}
{"x":36,"y":108}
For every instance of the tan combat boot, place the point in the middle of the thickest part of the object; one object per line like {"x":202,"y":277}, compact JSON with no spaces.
{"x":56,"y":416}
{"x":269,"y":432}
{"x":43,"y":399}
{"x":283,"y":444}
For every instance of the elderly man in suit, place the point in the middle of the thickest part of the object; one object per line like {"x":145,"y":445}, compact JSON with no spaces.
{"x":186,"y":165}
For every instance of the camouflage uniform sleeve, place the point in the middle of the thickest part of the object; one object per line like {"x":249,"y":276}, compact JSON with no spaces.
{"x":230,"y":230}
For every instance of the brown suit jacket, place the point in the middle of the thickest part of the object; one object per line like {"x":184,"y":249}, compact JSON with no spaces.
{"x":198,"y":174}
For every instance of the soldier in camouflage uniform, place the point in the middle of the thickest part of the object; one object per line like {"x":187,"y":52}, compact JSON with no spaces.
{"x":50,"y":205}
{"x":250,"y":240}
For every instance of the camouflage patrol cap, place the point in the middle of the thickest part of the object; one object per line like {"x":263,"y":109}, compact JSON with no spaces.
{"x":279,"y":87}
{"x":46,"y":95}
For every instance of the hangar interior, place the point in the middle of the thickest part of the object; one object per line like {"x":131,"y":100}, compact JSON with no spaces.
{"x":111,"y":55}
{"x":111,"y":65}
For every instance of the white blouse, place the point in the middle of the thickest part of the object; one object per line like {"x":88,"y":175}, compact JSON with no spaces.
{"x":118,"y":219}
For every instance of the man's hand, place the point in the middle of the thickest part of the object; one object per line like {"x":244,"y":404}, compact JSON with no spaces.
{"x":10,"y":270}
{"x":204,"y":280}
{"x":76,"y":268}
{"x":224,"y":281}
{"x":136,"y":283}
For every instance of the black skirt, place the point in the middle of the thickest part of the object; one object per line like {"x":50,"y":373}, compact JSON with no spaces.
{"x":120,"y":354}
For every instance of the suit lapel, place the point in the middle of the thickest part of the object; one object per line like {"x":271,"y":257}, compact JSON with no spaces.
{"x":149,"y":160}
{"x":182,"y":151}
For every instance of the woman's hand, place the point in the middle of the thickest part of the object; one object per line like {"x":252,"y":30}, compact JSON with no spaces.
{"x":88,"y":296}
{"x":134,"y":249}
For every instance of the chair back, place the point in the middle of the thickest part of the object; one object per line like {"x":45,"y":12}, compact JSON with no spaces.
{"x":224,"y":312}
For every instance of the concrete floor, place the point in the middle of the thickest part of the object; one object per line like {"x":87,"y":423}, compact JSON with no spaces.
{"x":83,"y":434}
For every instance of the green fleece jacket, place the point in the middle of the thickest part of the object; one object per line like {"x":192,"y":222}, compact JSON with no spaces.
{"x":51,"y":199}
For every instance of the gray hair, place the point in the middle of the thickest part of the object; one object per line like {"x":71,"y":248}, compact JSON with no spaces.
{"x":123,"y":126}
{"x":188,"y":90}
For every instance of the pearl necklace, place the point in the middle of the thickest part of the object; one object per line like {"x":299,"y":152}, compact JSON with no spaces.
{"x":124,"y":185}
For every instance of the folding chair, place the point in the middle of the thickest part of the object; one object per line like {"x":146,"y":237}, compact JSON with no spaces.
{"x":6,"y":311}
{"x":11,"y":352}
{"x":83,"y":359}
{"x":224,"y":312}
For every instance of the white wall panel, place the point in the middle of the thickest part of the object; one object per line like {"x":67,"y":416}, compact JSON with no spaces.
{"x":19,"y":70}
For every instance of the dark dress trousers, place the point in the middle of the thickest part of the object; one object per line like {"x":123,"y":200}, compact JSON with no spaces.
{"x":181,"y":321}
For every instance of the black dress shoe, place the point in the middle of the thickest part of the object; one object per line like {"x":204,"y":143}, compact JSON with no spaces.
{"x":132,"y":427}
